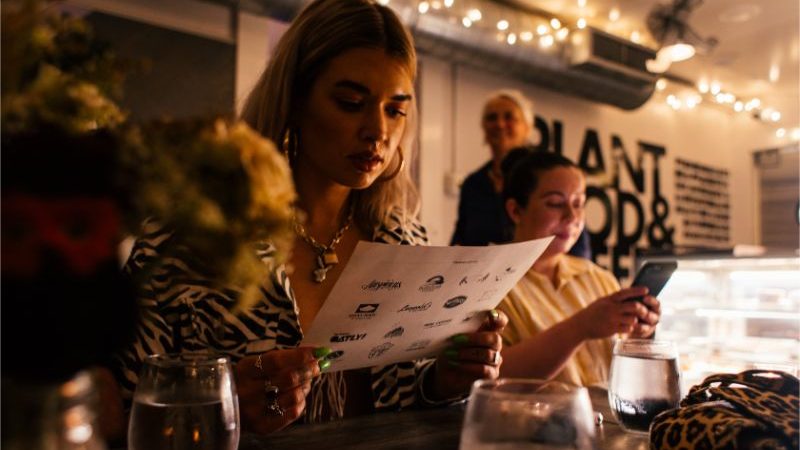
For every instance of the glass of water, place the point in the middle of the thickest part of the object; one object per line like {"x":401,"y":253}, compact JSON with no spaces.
{"x":644,"y":381}
{"x":185,"y":401}
{"x":521,"y":414}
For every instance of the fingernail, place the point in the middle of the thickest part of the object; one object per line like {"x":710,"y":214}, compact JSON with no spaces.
{"x":321,"y":352}
{"x":460,"y":339}
{"x":324,"y":364}
{"x":494,"y":313}
{"x":451,"y":353}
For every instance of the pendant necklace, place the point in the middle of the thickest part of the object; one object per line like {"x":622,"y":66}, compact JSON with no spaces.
{"x":326,"y":254}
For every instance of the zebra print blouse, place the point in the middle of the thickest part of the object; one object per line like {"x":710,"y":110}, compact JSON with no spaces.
{"x":183,"y":311}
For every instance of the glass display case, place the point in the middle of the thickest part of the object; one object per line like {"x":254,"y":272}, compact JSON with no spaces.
{"x":730,"y":314}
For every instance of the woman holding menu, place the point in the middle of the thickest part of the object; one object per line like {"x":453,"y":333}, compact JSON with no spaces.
{"x":338,"y":97}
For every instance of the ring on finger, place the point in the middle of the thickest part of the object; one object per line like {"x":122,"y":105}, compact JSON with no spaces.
{"x":271,"y":394}
{"x":496,"y":358}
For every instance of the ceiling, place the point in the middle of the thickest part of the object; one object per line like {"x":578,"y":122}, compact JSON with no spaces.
{"x":757,"y":53}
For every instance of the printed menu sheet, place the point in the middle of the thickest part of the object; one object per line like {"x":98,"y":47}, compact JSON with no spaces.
{"x":396,"y":303}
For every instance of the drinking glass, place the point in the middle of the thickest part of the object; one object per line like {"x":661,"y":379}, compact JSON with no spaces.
{"x":644,"y":381}
{"x":185,"y":401}
{"x":522,"y":414}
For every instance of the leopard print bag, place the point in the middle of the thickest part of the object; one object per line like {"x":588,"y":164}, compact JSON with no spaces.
{"x":752,"y":410}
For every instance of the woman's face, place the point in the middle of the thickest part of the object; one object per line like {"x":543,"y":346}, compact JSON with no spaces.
{"x":555,"y":207}
{"x":354,"y":117}
{"x":504,"y":125}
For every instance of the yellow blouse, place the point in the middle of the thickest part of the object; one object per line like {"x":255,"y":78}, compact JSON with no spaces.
{"x":535,"y":304}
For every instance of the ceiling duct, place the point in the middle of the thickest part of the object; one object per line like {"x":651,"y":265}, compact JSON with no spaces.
{"x":589,"y":64}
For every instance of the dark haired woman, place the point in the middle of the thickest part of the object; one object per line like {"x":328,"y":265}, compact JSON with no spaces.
{"x":565,"y":310}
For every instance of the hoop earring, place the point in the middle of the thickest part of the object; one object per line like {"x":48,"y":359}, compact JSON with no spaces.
{"x":289,"y":144}
{"x":397,"y":171}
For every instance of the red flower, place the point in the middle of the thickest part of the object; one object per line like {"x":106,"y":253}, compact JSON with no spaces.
{"x":82,"y":231}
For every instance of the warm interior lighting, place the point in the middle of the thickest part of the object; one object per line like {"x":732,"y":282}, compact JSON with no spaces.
{"x":661,"y":84}
{"x":502,"y":25}
{"x":581,"y":23}
{"x":474,"y":15}
{"x":677,"y":52}
{"x":423,"y":7}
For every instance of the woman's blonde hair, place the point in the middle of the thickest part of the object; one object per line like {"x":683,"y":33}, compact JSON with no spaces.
{"x":322,"y":31}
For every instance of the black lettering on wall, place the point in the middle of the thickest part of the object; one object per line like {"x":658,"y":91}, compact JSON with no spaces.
{"x":621,"y":156}
{"x":591,"y":149}
{"x":544,"y":134}
{"x":599,"y":238}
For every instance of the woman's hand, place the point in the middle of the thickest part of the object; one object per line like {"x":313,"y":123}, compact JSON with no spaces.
{"x":646,"y":325}
{"x":619,"y":312}
{"x":291,"y":372}
{"x":472,"y":356}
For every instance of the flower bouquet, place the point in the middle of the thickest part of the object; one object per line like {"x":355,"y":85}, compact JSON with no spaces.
{"x":77,"y":178}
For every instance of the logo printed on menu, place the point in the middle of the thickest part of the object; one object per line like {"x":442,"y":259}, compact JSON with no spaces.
{"x":455,"y":301}
{"x":365,"y":311}
{"x":335,"y":355}
{"x":379,"y":350}
{"x":432,"y":283}
{"x":377,"y":285}
{"x":415,"y":308}
{"x":437,"y":323}
{"x":347,"y":337}
{"x":418,"y":345}
{"x":397,"y":332}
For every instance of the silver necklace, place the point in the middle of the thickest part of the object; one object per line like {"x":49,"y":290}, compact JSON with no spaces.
{"x":326,"y":254}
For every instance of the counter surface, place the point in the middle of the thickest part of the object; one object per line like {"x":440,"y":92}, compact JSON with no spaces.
{"x":434,"y":429}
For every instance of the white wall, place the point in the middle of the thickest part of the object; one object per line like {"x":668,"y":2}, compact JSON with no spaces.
{"x":706,"y":134}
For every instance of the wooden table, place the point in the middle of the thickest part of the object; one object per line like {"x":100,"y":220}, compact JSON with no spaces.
{"x":430,"y":429}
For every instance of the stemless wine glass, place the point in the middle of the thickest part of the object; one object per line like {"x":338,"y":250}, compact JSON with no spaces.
{"x":185,"y":401}
{"x":517,"y":414}
{"x":644,"y":381}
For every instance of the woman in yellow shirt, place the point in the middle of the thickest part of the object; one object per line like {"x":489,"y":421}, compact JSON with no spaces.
{"x":565,"y":310}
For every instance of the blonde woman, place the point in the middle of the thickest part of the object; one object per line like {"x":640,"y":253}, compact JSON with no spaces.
{"x":338,"y":97}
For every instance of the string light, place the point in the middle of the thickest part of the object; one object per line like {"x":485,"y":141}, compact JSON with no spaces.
{"x":796,"y":134}
{"x":383,"y":2}
{"x":780,"y":132}
{"x":474,"y":15}
{"x":551,"y":29}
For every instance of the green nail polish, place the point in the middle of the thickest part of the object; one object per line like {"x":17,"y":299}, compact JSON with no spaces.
{"x":324,"y":364}
{"x":321,"y":352}
{"x":495,"y":315}
{"x":460,"y":339}
{"x":451,"y":353}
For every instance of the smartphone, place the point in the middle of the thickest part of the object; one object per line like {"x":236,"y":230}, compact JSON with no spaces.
{"x":654,"y":275}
